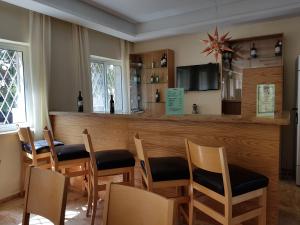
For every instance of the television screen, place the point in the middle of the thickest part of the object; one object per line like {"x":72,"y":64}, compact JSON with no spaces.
{"x":198,"y":77}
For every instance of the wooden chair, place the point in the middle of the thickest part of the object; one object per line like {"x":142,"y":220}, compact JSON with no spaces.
{"x":34,"y":153}
{"x":228,"y":185}
{"x":126,"y":205}
{"x":66,"y":158}
{"x":106,"y":163}
{"x":164,"y":172}
{"x":46,"y":195}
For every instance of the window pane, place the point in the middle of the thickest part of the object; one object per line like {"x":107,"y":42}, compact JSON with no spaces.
{"x":98,"y":86}
{"x":114,"y":86}
{"x":12,"y":99}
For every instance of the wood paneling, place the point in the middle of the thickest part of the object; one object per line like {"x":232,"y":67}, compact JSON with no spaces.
{"x":253,"y":146}
{"x":254,"y":76}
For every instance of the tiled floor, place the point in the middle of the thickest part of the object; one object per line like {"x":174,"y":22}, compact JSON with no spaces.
{"x":11,"y":212}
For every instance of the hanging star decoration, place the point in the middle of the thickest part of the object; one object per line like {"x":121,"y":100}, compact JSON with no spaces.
{"x":215,"y":45}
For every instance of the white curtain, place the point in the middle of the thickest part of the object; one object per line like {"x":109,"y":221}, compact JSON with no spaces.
{"x":125,"y":51}
{"x":81,"y":65}
{"x":40,"y":64}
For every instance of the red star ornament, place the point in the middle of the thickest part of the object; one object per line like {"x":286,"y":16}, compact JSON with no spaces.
{"x":216,"y":45}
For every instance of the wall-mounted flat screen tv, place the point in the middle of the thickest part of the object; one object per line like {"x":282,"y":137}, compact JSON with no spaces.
{"x":198,"y":77}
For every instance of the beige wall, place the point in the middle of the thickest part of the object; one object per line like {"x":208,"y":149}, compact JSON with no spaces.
{"x":188,"y":47}
{"x":10,"y":165}
{"x":187,"y":52}
{"x":63,"y":95}
{"x":14,"y":26}
{"x":14,"y":23}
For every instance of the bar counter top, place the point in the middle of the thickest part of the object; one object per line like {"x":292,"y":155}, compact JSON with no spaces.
{"x":282,"y":119}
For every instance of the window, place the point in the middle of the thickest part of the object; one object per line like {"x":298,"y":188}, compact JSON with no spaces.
{"x":12,"y":94}
{"x":106,"y":78}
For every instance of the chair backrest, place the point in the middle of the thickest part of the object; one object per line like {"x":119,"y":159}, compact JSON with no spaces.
{"x":25,"y":136}
{"x":46,"y":195}
{"x":212,"y":159}
{"x":49,"y":138}
{"x":126,"y":205}
{"x":89,"y":147}
{"x":143,"y":157}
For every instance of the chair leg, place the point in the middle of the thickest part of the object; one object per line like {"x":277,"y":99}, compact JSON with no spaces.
{"x":90,"y":195}
{"x":131,"y":177}
{"x":95,"y":199}
{"x":262,"y":220}
{"x":26,"y":218}
{"x":228,"y":213}
{"x":191,"y":206}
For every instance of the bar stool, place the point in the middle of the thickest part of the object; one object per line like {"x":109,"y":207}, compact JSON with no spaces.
{"x":106,"y":163}
{"x":228,"y":185}
{"x":164,"y":172}
{"x":34,"y":153}
{"x":66,"y":157}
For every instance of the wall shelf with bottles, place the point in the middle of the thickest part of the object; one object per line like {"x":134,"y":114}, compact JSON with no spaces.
{"x":155,"y":74}
{"x":253,"y":52}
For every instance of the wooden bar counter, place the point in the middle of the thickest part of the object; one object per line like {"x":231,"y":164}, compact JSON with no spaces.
{"x":253,"y":143}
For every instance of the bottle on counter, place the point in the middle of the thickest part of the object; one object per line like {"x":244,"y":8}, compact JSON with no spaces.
{"x":157,"y":96}
{"x":253,"y":51}
{"x":278,"y":48}
{"x":80,"y":102}
{"x":112,"y":104}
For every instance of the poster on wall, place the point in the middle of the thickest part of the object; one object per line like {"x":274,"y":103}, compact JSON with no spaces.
{"x":175,"y":101}
{"x":265,"y":100}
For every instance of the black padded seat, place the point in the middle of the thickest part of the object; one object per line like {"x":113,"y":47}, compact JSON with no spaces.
{"x":113,"y":159}
{"x":69,"y":152}
{"x":41,"y":146}
{"x":168,"y":168}
{"x":242,"y":180}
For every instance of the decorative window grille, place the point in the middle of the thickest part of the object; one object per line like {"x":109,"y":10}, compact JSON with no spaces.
{"x":12,"y":98}
{"x":106,"y":81}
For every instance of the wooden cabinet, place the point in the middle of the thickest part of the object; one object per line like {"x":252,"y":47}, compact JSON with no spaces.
{"x":147,"y":65}
{"x":241,"y":76}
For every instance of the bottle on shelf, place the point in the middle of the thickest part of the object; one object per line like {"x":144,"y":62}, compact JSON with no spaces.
{"x":162,"y":61}
{"x":253,"y":51}
{"x":157,"y":79}
{"x":80,"y":102}
{"x":165,"y":60}
{"x":153,"y":64}
{"x":278,"y":48}
{"x":112,"y":104}
{"x":157,"y":96}
{"x":140,"y":62}
{"x":152,"y":79}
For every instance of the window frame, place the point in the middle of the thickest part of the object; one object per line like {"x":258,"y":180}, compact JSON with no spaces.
{"x":24,"y":48}
{"x":106,"y":62}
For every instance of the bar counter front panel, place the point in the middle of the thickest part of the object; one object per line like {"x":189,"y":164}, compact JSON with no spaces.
{"x":250,"y":142}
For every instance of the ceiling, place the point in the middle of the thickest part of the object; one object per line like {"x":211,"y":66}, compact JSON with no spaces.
{"x":138,"y":20}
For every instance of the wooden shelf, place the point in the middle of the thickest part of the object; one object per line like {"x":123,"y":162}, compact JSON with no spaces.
{"x":156,"y":83}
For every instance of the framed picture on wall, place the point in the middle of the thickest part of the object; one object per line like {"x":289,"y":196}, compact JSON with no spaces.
{"x":265,"y":100}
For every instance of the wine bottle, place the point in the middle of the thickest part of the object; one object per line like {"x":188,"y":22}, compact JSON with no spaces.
{"x":278,"y":48}
{"x":253,"y":51}
{"x":112,"y":104}
{"x":165,"y":60}
{"x":152,"y":79}
{"x":156,"y":79}
{"x":162,"y":61}
{"x":80,"y":102}
{"x":157,"y":96}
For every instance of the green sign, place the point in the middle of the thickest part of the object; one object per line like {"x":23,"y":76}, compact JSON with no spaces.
{"x":174,"y":101}
{"x":265,"y":100}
